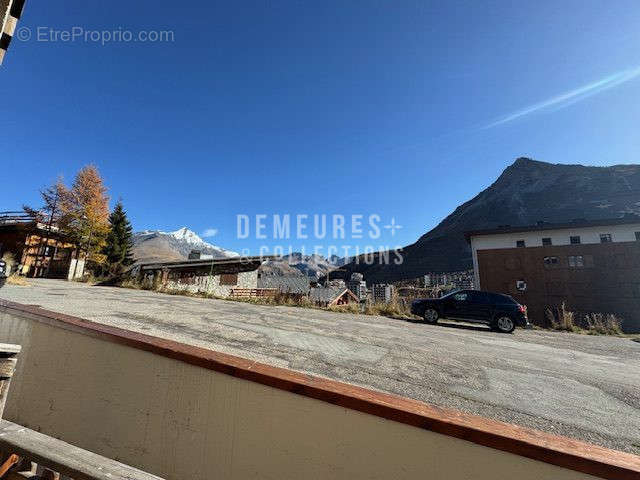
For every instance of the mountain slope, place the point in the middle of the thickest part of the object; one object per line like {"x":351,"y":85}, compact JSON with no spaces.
{"x":313,"y":266}
{"x":526,"y":192}
{"x":158,"y":246}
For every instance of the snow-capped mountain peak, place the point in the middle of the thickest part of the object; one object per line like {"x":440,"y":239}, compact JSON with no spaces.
{"x":189,"y":236}
{"x":158,"y":245}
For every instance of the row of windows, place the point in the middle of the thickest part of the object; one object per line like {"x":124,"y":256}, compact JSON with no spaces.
{"x":574,"y":240}
{"x":573,"y":261}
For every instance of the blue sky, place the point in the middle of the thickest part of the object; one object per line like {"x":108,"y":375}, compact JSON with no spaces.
{"x":395,"y":108}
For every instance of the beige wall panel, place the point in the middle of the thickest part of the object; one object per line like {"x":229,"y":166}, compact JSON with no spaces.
{"x":184,"y":422}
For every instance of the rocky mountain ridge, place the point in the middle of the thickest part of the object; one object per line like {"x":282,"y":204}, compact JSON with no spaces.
{"x":528,"y":191}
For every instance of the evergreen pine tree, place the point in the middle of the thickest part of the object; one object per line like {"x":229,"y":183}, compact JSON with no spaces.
{"x":119,"y":241}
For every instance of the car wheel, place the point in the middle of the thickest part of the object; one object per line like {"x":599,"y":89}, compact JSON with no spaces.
{"x":431,"y":315}
{"x":504,"y":324}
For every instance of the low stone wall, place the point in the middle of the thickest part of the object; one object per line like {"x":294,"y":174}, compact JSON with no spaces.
{"x":211,"y":284}
{"x":184,"y":412}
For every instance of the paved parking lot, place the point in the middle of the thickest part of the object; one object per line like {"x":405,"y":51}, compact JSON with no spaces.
{"x":587,"y":387}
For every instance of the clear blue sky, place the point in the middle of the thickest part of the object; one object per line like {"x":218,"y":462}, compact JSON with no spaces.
{"x":402,"y":109}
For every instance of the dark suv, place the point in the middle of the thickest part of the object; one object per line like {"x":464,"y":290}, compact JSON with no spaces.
{"x":500,"y":312}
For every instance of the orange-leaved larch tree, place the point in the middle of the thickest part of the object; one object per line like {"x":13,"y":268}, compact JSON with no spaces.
{"x":85,"y":212}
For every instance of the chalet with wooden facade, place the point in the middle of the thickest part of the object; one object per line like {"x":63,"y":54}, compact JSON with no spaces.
{"x":39,"y":249}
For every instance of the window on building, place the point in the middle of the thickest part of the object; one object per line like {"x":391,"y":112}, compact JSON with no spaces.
{"x":576,"y":261}
{"x":550,"y":261}
{"x":574,"y":240}
{"x":521,"y":244}
{"x":637,"y":238}
{"x":546,"y":241}
{"x":229,"y":279}
{"x":605,"y":238}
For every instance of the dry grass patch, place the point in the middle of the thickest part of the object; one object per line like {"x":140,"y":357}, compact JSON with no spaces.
{"x":391,"y":309}
{"x":17,"y":280}
{"x":348,"y":308}
{"x":603,"y":324}
{"x":561,"y":318}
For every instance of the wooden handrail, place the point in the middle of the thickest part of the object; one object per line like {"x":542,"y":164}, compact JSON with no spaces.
{"x":58,"y":457}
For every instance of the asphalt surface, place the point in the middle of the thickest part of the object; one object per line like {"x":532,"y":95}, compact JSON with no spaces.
{"x":586,"y":387}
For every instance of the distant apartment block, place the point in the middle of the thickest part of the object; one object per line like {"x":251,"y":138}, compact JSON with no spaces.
{"x":358,"y":286}
{"x":462,"y":280}
{"x":382,"y":293}
{"x":592,"y":266}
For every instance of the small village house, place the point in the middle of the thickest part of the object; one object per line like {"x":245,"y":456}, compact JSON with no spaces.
{"x":39,"y":249}
{"x":591,"y":266}
{"x":332,"y":296}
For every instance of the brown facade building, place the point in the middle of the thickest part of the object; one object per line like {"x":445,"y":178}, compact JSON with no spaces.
{"x":38,"y":250}
{"x":591,"y":267}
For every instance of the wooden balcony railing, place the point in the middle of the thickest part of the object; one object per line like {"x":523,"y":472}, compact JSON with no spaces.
{"x":25,"y":453}
{"x":15,"y":217}
{"x":253,"y":292}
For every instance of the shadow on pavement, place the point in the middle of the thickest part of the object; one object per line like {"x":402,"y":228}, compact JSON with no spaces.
{"x":449,"y":324}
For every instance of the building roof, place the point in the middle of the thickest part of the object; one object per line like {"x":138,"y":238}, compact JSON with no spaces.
{"x":330,"y":294}
{"x":285,"y":283}
{"x":257,"y":261}
{"x":541,"y":226}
